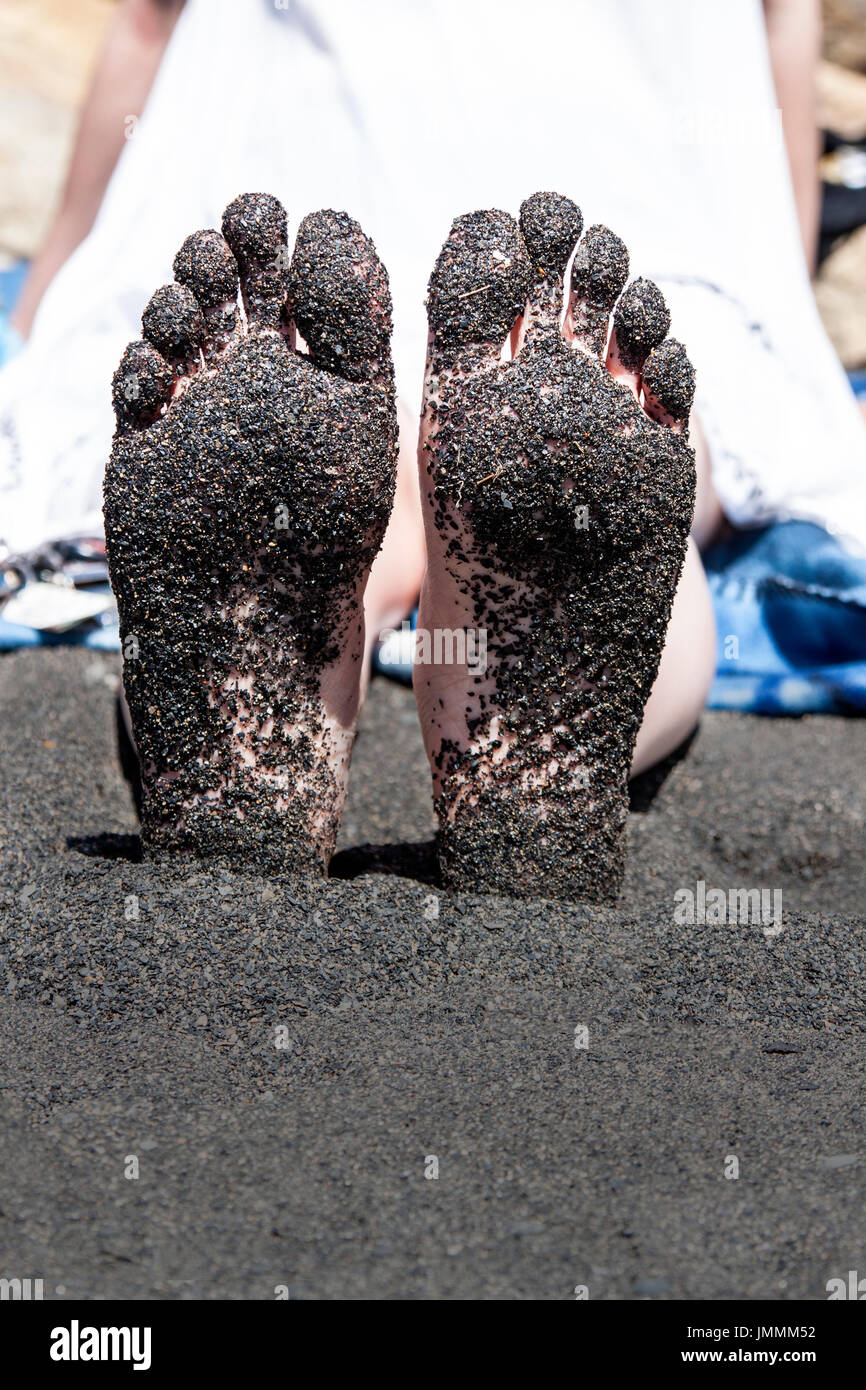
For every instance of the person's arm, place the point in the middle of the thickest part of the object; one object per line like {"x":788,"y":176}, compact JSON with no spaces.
{"x":134,"y":46}
{"x":794,"y":33}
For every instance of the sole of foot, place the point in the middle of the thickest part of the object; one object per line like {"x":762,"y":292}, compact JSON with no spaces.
{"x":558,"y":488}
{"x":247,"y":493}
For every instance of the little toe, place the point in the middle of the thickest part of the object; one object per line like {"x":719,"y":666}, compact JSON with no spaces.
{"x":173,"y":324}
{"x":669,"y":384}
{"x":640,"y":323}
{"x":141,"y":386}
{"x":255,"y":227}
{"x":551,"y":227}
{"x":340,"y":298}
{"x":598,"y":272}
{"x":479,"y":284}
{"x":206,"y":266}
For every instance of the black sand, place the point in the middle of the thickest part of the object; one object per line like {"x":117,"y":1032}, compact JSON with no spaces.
{"x":412,"y":1036}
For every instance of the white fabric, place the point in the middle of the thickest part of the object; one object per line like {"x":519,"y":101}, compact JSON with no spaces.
{"x":658,"y":118}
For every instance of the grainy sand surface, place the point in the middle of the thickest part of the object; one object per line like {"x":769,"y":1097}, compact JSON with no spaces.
{"x":411,"y":1035}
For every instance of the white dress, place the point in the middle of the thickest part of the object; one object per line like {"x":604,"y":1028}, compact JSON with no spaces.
{"x":656,"y":116}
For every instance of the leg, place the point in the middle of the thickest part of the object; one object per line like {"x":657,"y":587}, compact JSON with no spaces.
{"x":794,"y":43}
{"x":395,"y":579}
{"x":689,"y":658}
{"x":686,"y":669}
{"x":133,"y":50}
{"x":709,"y":518}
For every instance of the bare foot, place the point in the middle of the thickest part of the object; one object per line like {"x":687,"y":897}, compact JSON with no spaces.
{"x":558,"y":491}
{"x":248,"y":491}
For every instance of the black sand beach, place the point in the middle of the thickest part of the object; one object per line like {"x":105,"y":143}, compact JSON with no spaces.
{"x":139,"y":1015}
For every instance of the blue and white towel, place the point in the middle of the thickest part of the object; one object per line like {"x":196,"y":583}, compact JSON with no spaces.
{"x":790,"y":608}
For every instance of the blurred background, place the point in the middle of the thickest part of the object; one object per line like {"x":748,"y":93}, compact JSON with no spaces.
{"x":48,"y":49}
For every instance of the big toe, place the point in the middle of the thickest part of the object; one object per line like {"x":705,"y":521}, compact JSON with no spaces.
{"x":480,"y":282}
{"x":340,"y":298}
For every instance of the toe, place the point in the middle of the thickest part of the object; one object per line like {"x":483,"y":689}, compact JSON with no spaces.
{"x":480,"y":282}
{"x":598,"y":273}
{"x":140,"y":386}
{"x":551,"y":227}
{"x":173,"y":324}
{"x":206,"y":266}
{"x":254,"y":226}
{"x":340,"y":298}
{"x":640,"y":322}
{"x":669,"y":384}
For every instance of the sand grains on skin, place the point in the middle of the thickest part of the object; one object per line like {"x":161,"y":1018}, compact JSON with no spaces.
{"x":558,"y":490}
{"x":247,"y":494}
